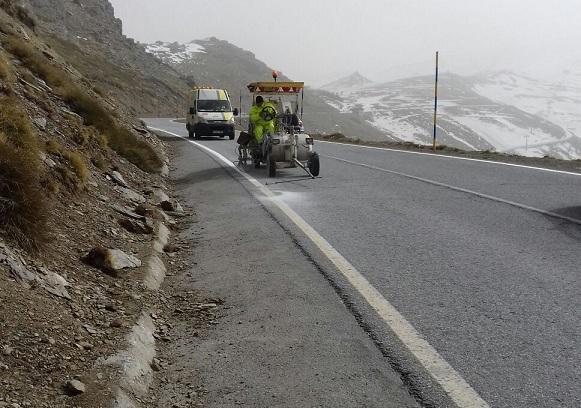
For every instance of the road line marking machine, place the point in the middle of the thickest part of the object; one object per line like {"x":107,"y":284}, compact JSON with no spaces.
{"x":284,"y":143}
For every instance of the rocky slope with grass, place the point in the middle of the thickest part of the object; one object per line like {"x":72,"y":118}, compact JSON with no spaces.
{"x":89,"y":36}
{"x":82,"y":215}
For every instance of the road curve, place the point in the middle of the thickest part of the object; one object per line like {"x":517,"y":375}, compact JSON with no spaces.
{"x":494,"y":287}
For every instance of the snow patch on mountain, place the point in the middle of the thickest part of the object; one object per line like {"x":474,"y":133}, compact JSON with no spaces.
{"x":174,"y":53}
{"x":558,"y":102}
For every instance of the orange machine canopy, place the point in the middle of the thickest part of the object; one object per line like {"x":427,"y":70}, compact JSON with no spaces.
{"x":276,"y":87}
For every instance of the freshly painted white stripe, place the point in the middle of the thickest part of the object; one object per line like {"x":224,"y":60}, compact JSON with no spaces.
{"x":463,"y":395}
{"x":443,"y":156}
{"x":460,"y":189}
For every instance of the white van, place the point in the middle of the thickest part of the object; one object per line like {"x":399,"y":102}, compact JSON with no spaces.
{"x":210,"y":113}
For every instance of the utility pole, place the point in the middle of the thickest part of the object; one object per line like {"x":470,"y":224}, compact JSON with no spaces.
{"x":527,"y":142}
{"x":436,"y":101}
{"x":240,"y":112}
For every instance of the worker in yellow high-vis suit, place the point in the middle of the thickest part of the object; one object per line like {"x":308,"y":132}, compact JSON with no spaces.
{"x":262,"y":115}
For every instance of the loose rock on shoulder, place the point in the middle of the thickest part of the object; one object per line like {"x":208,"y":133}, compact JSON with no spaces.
{"x":75,"y":387}
{"x":110,"y":261}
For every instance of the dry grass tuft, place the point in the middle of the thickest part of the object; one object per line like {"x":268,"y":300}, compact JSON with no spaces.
{"x":119,"y":138}
{"x":53,"y":147}
{"x":37,"y":62}
{"x":78,"y":165}
{"x":17,"y":129}
{"x":23,"y":209}
{"x":99,"y":163}
{"x":6,"y":72}
{"x":78,"y":173}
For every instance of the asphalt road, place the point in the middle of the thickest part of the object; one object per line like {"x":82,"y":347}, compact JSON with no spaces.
{"x":492,"y":284}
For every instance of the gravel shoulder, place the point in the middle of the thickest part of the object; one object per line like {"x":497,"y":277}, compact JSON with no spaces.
{"x":254,"y":322}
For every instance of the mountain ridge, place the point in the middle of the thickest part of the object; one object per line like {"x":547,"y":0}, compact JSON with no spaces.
{"x":89,"y":35}
{"x":225,"y":65}
{"x":354,"y":80}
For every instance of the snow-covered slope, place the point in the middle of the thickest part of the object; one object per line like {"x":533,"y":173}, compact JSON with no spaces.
{"x":502,"y":111}
{"x":557,"y":101}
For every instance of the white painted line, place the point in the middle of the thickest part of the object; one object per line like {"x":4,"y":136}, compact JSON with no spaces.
{"x":463,"y":395}
{"x":460,"y":189}
{"x":443,"y":156}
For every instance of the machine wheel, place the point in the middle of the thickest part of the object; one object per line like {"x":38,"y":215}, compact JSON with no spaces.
{"x":231,"y":136}
{"x":313,"y":164}
{"x":271,"y":165}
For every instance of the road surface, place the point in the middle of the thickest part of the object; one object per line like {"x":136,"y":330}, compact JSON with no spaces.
{"x":481,"y":259}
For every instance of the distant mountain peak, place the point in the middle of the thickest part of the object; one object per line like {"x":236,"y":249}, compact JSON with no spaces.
{"x":352,"y":81}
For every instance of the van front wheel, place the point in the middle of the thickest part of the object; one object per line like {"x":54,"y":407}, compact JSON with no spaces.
{"x":197,"y":134}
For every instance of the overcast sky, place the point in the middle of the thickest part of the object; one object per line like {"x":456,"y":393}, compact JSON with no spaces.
{"x":321,"y":40}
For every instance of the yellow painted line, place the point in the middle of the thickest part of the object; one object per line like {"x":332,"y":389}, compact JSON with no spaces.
{"x":463,"y":395}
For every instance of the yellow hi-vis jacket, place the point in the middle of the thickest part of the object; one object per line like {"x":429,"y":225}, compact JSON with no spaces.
{"x":260,"y":125}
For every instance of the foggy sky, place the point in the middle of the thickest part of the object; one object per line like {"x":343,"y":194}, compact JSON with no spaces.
{"x":321,"y":40}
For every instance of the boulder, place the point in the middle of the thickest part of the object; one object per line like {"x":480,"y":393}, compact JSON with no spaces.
{"x":49,"y":281}
{"x":110,"y":261}
{"x":54,"y":283}
{"x":167,"y":205}
{"x":16,"y":266}
{"x":128,"y":212}
{"x":130,"y":195}
{"x":120,"y":260}
{"x":135,"y":227}
{"x":159,"y":196}
{"x":118,"y":178}
{"x":40,"y":122}
{"x":75,"y":387}
{"x":145,"y":210}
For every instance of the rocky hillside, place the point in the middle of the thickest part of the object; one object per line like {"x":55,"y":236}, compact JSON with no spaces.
{"x":221,"y":64}
{"x":504,"y":112}
{"x":89,"y":36}
{"x":75,"y":171}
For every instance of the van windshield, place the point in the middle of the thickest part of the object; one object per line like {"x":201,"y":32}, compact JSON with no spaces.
{"x":213,"y":105}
